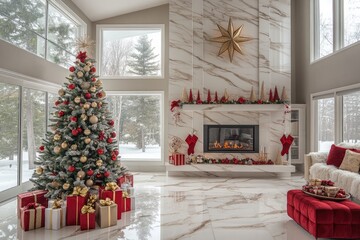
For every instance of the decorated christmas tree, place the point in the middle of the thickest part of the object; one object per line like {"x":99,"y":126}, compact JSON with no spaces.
{"x":81,"y":148}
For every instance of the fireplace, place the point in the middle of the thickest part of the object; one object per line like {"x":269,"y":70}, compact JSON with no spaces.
{"x":231,"y":138}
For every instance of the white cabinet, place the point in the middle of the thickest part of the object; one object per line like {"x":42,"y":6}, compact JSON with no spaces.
{"x":297,"y":149}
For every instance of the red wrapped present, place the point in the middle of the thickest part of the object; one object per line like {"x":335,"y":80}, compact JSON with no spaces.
{"x":129,"y":178}
{"x":126,"y":206}
{"x":32,"y":216}
{"x":37,"y":196}
{"x":113,"y":192}
{"x":178,"y":158}
{"x":74,"y":204}
{"x":120,"y":180}
{"x":87,"y":218}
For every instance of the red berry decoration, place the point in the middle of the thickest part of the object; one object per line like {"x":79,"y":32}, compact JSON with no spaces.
{"x":41,"y":148}
{"x":87,"y":95}
{"x":71,"y":168}
{"x":93,"y":69}
{"x":71,"y":86}
{"x":241,"y":100}
{"x":72,"y":69}
{"x":73,"y":119}
{"x":111,"y":122}
{"x":259,"y":101}
{"x":100,"y":151}
{"x":74,"y":132}
{"x":109,"y":140}
{"x":90,"y":172}
{"x":113,"y":134}
{"x":61,"y":113}
{"x":106,"y":174}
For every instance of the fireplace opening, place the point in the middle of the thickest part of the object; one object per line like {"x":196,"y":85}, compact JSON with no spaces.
{"x":231,"y":138}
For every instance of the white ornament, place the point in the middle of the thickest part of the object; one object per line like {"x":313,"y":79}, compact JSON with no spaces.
{"x":77,"y":100}
{"x":87,"y":132}
{"x":87,"y":68}
{"x":87,"y":140}
{"x":61,"y":92}
{"x":92,"y":89}
{"x":94,"y":104}
{"x":84,"y":117}
{"x":85,"y":85}
{"x":80,"y":74}
{"x":93,"y":119}
{"x":57,"y":149}
{"x":89,"y":63}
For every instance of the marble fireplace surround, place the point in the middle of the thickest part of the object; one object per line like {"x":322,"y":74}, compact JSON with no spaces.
{"x":193,"y":63}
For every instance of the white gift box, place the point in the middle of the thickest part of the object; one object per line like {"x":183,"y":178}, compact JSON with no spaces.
{"x":132,"y":202}
{"x":55,"y":218}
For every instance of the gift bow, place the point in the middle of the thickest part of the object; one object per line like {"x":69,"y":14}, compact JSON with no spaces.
{"x":111,"y":186}
{"x":80,"y":191}
{"x":57,"y":204}
{"x":87,"y":209}
{"x":32,"y":206}
{"x":106,"y":202}
{"x":125,"y":194}
{"x":92,"y":199}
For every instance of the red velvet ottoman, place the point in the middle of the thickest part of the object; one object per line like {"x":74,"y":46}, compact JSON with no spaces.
{"x":324,"y":218}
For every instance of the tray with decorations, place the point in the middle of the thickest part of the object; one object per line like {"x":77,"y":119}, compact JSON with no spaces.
{"x":325,"y":189}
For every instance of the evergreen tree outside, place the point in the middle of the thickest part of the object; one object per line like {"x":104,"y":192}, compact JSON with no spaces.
{"x":144,"y":61}
{"x":81,"y":150}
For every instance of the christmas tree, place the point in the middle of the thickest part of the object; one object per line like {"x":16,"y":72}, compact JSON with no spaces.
{"x":81,"y":149}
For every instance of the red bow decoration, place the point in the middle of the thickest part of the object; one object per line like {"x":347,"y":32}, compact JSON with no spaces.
{"x":32,"y":206}
{"x":81,"y":56}
{"x":174,"y":104}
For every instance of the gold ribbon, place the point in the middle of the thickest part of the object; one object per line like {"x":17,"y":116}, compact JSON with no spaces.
{"x":125,"y":195}
{"x":80,"y":191}
{"x":57,"y":204}
{"x":35,"y":197}
{"x":109,"y":213}
{"x":106,"y":202}
{"x":87,"y":209}
{"x":92,"y":199}
{"x":111,"y":186}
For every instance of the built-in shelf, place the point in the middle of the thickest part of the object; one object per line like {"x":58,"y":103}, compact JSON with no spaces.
{"x":234,"y":107}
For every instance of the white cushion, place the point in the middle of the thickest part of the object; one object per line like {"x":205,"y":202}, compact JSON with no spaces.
{"x":318,"y":157}
{"x":321,"y":170}
{"x":349,"y":145}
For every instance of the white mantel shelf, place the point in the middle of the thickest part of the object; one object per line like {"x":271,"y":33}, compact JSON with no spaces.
{"x":281,"y":170}
{"x":234,"y":107}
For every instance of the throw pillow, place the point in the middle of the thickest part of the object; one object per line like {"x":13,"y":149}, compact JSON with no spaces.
{"x":336,"y":155}
{"x":351,"y":161}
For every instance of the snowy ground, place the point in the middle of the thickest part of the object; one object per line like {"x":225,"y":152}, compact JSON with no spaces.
{"x":129,"y":152}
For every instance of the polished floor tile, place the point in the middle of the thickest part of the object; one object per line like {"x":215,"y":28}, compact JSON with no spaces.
{"x":188,"y":208}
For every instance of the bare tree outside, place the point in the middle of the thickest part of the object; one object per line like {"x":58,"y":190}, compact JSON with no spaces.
{"x":115,"y":57}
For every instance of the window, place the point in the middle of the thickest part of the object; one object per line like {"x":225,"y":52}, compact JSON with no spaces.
{"x":138,"y":123}
{"x":336,"y":115}
{"x":134,"y":51}
{"x":336,"y":25}
{"x":43,"y":27}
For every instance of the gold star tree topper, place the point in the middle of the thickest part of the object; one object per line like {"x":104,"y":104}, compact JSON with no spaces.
{"x":85,"y":43}
{"x":230,"y":39}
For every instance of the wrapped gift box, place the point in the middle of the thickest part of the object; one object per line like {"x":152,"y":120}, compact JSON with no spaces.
{"x":120,"y":180}
{"x":178,"y":158}
{"x":55,"y":218}
{"x":127,"y":203}
{"x":37,"y":196}
{"x":32,"y":216}
{"x":106,"y":216}
{"x":87,"y":221}
{"x":115,"y":196}
{"x":129,"y":178}
{"x":73,"y":209}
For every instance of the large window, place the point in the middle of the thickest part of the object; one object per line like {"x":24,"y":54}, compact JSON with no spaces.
{"x":138,"y":122}
{"x":336,"y":25}
{"x":134,"y":51}
{"x":336,"y":117}
{"x":43,"y":27}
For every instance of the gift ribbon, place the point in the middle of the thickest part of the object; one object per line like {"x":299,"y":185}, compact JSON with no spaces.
{"x":88,"y":221}
{"x":34,"y":218}
{"x":106,"y":202}
{"x":111,"y":186}
{"x":57,"y":204}
{"x":87,"y":209}
{"x":125,"y":195}
{"x":80,"y":191}
{"x":32,"y":206}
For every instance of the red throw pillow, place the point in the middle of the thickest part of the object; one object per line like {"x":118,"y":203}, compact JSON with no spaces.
{"x":336,"y":155}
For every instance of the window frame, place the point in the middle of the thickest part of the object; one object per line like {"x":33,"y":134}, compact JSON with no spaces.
{"x":338,"y":109}
{"x":99,"y":38}
{"x":338,"y":30}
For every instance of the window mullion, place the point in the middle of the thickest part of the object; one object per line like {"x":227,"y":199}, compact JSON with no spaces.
{"x":338,"y":119}
{"x":20,"y":138}
{"x":338,"y":19}
{"x":316,"y":29}
{"x":46,"y":28}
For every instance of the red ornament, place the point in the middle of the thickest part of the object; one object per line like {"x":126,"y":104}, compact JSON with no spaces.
{"x":41,"y":148}
{"x":90,"y":172}
{"x":93,"y":69}
{"x":113,"y":134}
{"x":93,"y":79}
{"x":190,"y":97}
{"x":208,"y":97}
{"x":115,"y":152}
{"x":74,"y":132}
{"x":81,"y":56}
{"x":216,"y":97}
{"x":101,"y":137}
{"x":61,"y":113}
{"x":66,"y":102}
{"x":111,"y":122}
{"x":241,"y":100}
{"x":109,"y":140}
{"x":98,"y":175}
{"x":72,"y":69}
{"x":100,"y":151}
{"x":73,"y":119}
{"x":57,"y":102}
{"x":99,"y":95}
{"x":87,"y":95}
{"x":106,"y":174}
{"x":79,"y":129}
{"x":71,"y":86}
{"x":71,"y":168}
{"x":113,"y":157}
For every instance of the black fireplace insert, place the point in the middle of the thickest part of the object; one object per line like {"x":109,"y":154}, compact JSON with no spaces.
{"x":231,"y":138}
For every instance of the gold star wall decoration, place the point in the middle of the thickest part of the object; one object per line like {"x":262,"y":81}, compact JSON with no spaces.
{"x":230,"y":39}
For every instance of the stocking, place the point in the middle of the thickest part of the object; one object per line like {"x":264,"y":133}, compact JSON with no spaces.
{"x":286,"y":143}
{"x":191,"y":141}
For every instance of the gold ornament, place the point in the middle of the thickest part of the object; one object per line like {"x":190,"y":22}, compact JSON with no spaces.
{"x":93,"y":119}
{"x":89,"y":182}
{"x":86,"y":106}
{"x":83,"y":159}
{"x":55,"y":184}
{"x":80,"y":174}
{"x":57,"y":137}
{"x":80,"y":74}
{"x":99,"y":163}
{"x":84,"y":117}
{"x":94,"y":104}
{"x":87,"y":132}
{"x":73,"y":147}
{"x":66,"y":186}
{"x":98,"y":83}
{"x":77,"y":100}
{"x":87,"y":140}
{"x":230,"y":39}
{"x":92,"y":89}
{"x":39,"y":170}
{"x":57,"y":149}
{"x":89,"y":63}
{"x":103,"y":94}
{"x":85,"y":85}
{"x":87,"y":68}
{"x":61,"y":92}
{"x":64,"y":145}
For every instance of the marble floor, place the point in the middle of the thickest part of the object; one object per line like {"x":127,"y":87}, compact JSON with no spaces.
{"x":188,"y":208}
